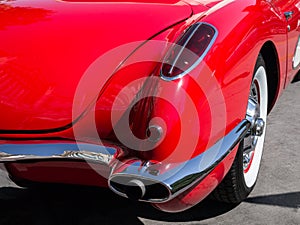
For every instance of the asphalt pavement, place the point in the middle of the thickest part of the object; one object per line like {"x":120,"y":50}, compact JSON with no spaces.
{"x":275,"y":199}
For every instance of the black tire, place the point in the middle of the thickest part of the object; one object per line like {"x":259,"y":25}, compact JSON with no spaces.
{"x":235,"y":187}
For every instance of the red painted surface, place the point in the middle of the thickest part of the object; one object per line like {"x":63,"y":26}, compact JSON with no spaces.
{"x":47,"y":48}
{"x":79,"y":173}
{"x":192,"y":197}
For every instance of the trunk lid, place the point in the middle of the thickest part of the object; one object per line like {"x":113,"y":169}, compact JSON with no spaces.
{"x":46,"y":45}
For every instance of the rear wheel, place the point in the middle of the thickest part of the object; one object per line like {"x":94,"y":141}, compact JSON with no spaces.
{"x":242,"y":176}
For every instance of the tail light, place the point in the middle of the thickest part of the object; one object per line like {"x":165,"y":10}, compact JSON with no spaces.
{"x":188,"y":51}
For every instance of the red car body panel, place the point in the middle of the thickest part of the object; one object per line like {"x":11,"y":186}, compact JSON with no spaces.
{"x":61,"y":70}
{"x":43,"y":45}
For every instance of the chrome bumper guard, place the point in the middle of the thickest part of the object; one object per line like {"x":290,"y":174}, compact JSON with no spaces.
{"x":155,"y":183}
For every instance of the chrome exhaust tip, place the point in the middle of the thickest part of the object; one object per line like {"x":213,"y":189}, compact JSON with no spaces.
{"x":139,"y":189}
{"x":135,"y":189}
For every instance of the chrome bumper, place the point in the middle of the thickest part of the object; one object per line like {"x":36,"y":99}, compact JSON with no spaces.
{"x":35,"y":151}
{"x":133,"y":178}
{"x":154,"y":183}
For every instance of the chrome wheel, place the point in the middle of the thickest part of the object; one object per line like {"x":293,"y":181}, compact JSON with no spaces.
{"x":257,"y":115}
{"x":242,"y":176}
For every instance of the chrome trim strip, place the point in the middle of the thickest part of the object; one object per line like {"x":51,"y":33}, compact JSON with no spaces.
{"x":51,"y":151}
{"x":200,"y":58}
{"x":184,"y":175}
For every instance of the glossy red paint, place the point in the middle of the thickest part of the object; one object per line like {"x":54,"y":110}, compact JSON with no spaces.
{"x":52,"y":46}
{"x":293,"y":27}
{"x":64,"y":172}
{"x":49,"y":45}
{"x":192,"y":197}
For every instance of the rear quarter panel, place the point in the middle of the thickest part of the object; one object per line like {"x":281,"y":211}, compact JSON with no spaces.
{"x":244,"y":27}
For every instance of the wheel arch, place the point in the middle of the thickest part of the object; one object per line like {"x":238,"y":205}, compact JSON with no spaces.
{"x":270,"y":56}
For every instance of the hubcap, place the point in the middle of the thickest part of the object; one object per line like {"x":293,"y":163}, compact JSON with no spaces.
{"x":256,"y":128}
{"x":257,"y":115}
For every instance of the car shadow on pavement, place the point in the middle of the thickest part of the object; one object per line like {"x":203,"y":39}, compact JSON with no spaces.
{"x":290,"y":200}
{"x":64,"y":205}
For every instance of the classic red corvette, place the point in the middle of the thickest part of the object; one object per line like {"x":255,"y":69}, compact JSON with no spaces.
{"x":162,"y":101}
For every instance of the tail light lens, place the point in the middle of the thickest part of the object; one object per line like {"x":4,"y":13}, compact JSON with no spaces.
{"x":188,"y":51}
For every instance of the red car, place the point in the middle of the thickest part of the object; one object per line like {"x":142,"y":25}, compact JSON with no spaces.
{"x":162,"y":101}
